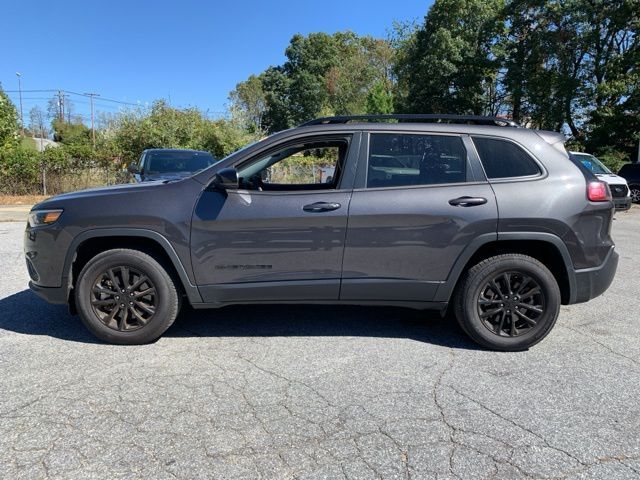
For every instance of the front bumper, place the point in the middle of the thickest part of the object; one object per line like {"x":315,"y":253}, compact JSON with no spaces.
{"x":622,"y":203}
{"x":57,"y":295}
{"x":592,"y":282}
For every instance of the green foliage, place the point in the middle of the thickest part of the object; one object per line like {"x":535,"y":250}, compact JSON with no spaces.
{"x":379,"y":100}
{"x":324,"y":74}
{"x":167,"y":127}
{"x":613,"y":159}
{"x":8,"y":121}
{"x":451,"y":63}
{"x":70,"y":133}
{"x":19,"y":169}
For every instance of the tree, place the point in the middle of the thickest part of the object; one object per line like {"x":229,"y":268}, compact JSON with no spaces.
{"x":249,"y":103}
{"x":37,"y":120}
{"x":323,"y":75}
{"x":451,"y":63}
{"x":8,"y":121}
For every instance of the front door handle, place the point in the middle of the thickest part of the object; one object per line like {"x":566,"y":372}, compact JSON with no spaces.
{"x":321,"y":207}
{"x":467,"y":201}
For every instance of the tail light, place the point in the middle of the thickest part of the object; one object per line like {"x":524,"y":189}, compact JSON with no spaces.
{"x":598,"y":192}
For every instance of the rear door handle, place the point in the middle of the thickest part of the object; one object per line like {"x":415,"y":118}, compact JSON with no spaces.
{"x":467,"y":201}
{"x":321,"y":207}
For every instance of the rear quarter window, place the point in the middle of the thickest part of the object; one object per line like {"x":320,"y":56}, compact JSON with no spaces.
{"x":504,"y":159}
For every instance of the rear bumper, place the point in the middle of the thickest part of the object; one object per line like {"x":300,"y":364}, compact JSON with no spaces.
{"x":622,"y":203}
{"x":57,"y":295}
{"x":592,"y":282}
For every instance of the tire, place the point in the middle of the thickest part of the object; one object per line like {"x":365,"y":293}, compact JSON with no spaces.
{"x":154,"y":301}
{"x":635,"y":193}
{"x":523,"y":287}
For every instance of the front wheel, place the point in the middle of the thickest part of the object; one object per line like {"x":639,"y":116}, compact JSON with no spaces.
{"x":126,"y":297}
{"x":507,"y":302}
{"x":634,"y":190}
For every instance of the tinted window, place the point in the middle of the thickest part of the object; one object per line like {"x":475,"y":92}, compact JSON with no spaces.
{"x":176,"y":161}
{"x":314,"y":166}
{"x":399,"y":160}
{"x":503,"y":159}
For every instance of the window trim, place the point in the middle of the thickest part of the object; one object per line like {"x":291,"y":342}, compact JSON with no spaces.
{"x":469,"y":170}
{"x":348,"y":137}
{"x":522,"y":178}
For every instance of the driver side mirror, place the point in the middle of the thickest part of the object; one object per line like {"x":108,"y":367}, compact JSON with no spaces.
{"x":133,"y":168}
{"x":226,"y":179}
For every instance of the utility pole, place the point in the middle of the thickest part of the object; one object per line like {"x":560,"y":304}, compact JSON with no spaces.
{"x":93,"y":130}
{"x":18,"y":74}
{"x":60,"y":105}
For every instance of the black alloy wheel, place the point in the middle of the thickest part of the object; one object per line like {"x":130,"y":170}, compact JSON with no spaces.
{"x":511,"y":304}
{"x":124,"y":298}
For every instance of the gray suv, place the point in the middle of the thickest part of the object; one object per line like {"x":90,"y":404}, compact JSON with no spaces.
{"x":473,"y":215}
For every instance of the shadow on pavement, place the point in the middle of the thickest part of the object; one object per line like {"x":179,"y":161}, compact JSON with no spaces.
{"x":25,"y":313}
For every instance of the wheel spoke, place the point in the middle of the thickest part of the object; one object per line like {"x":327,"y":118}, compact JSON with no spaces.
{"x":530,"y":293}
{"x":513,"y":330}
{"x":495,"y":287}
{"x":486,"y":301}
{"x":144,"y":307}
{"x":107,"y":301}
{"x":112,"y":277}
{"x":501,"y":324}
{"x":139,"y":282}
{"x":112,"y":314}
{"x":525,"y":282}
{"x":139,"y":317}
{"x":103,"y":290}
{"x":507,"y":282}
{"x":526,"y":319}
{"x":144,"y":293}
{"x":533,"y":308}
{"x":124,"y":271}
{"x":490,"y":313}
{"x":124,"y":315}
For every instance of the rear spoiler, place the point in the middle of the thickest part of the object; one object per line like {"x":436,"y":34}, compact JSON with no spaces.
{"x":552,"y":138}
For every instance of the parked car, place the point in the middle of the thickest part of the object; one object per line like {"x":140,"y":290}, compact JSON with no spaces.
{"x":169,"y":164}
{"x":631,"y":173}
{"x":617,"y":185}
{"x":492,"y":221}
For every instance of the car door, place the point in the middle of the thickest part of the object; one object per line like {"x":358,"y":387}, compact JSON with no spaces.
{"x":280,"y":236}
{"x":419,"y":200}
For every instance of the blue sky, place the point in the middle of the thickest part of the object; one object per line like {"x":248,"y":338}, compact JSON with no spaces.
{"x":192,"y":52}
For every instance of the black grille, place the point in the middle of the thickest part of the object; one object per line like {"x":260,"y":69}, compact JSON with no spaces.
{"x":619,"y":190}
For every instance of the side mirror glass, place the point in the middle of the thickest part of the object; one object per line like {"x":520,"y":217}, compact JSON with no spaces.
{"x":133,"y":168}
{"x":227,"y":179}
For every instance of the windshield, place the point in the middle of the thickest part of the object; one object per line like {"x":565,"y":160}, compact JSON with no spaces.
{"x":176,"y":161}
{"x":592,"y":163}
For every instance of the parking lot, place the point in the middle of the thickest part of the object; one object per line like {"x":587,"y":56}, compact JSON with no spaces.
{"x":319,"y":392}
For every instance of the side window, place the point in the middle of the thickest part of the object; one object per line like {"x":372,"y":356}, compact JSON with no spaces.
{"x":307,"y":166}
{"x":503,"y":159}
{"x":407,"y":159}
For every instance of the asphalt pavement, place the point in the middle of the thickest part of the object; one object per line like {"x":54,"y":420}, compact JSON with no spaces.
{"x":319,"y":392}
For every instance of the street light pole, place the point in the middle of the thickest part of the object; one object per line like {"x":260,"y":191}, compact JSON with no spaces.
{"x":18,"y":74}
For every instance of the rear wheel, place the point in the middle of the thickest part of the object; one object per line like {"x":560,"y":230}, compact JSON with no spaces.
{"x":507,"y":302}
{"x":635,"y":193}
{"x":126,"y":297}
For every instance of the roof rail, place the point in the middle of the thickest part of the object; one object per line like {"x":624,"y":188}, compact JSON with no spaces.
{"x":418,"y":118}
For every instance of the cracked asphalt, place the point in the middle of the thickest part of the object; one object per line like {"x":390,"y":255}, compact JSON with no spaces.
{"x":319,"y":392}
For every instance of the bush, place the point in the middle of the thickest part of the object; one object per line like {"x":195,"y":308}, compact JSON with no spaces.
{"x":20,"y":171}
{"x":613,"y":159}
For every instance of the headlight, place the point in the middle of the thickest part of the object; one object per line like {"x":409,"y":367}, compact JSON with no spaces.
{"x":43,"y":217}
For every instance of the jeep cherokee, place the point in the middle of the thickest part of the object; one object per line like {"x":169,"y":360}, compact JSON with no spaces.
{"x":422,"y":211}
